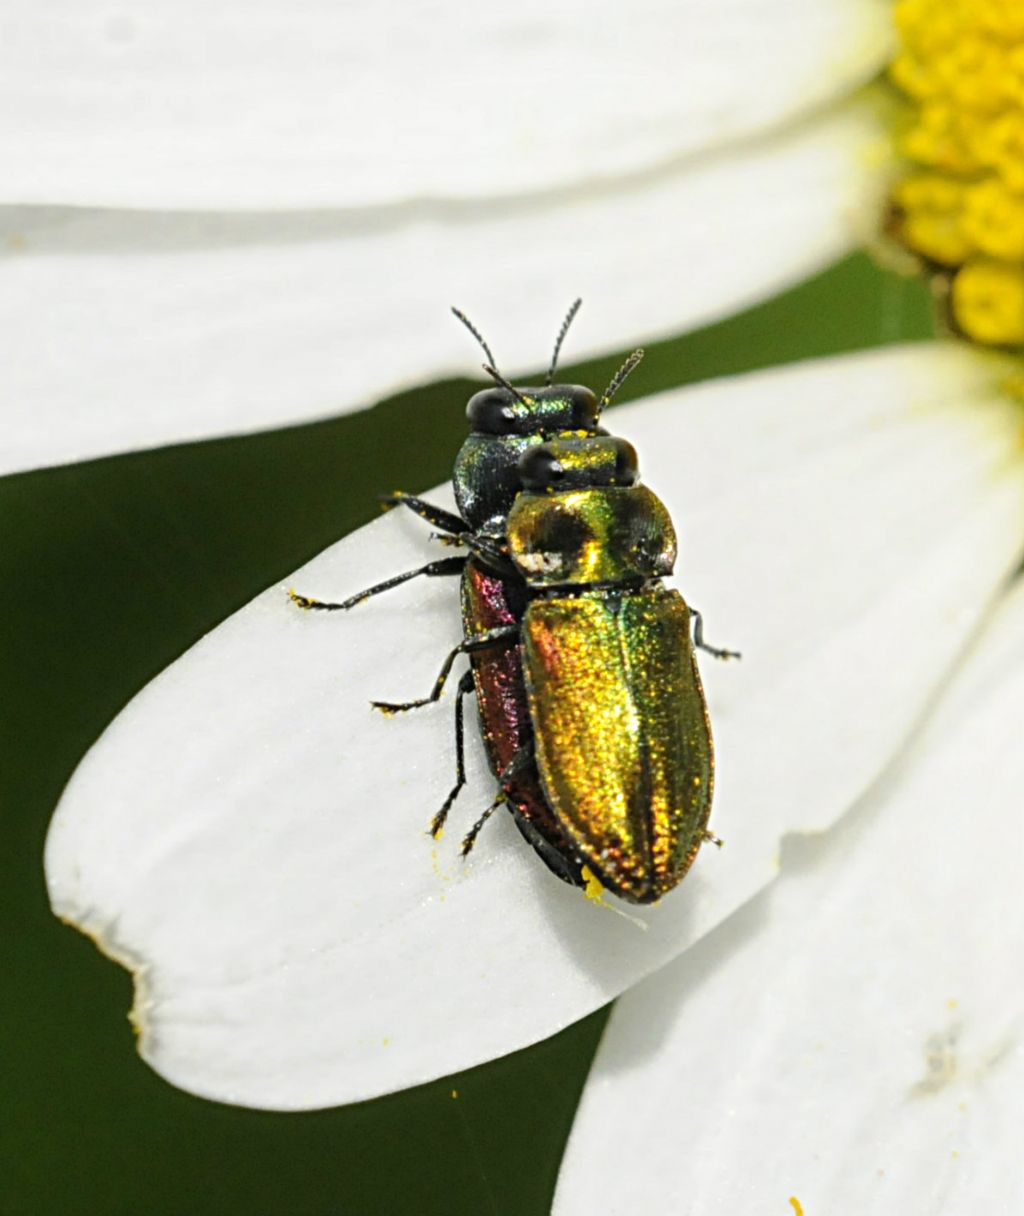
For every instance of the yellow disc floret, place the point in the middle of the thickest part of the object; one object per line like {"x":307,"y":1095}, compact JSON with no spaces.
{"x":961,"y":63}
{"x":991,"y":294}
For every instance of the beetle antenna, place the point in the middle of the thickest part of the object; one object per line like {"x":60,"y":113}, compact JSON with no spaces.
{"x":569,"y":316}
{"x":500,"y":379}
{"x":476,"y":334}
{"x":617,"y":380}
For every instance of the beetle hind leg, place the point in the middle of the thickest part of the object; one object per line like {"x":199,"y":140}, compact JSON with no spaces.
{"x":438,"y":822}
{"x":514,"y":768}
{"x":470,"y":838}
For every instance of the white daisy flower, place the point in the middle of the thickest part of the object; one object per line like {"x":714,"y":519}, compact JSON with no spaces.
{"x":244,"y":837}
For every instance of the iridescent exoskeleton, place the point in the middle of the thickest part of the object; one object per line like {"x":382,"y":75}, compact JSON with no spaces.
{"x":583,"y":662}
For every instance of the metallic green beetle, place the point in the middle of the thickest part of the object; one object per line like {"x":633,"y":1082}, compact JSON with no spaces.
{"x":622,"y":737}
{"x":590,"y":701}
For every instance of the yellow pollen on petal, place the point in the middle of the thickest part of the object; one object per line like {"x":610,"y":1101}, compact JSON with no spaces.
{"x":960,"y":205}
{"x":593,"y":889}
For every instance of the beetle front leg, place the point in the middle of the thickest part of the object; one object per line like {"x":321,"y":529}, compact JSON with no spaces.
{"x":698,"y":639}
{"x":437,"y":516}
{"x":480,"y":641}
{"x":446,"y":565}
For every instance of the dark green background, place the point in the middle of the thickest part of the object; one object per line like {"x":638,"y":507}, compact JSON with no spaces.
{"x":110,"y":570}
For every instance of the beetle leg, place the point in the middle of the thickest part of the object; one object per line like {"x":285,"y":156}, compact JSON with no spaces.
{"x":437,"y":823}
{"x":479,"y":641}
{"x":710,"y":838}
{"x":492,"y":550}
{"x":470,"y":838}
{"x":446,"y":565}
{"x":450,"y":541}
{"x":515,"y":766}
{"x":437,"y":516}
{"x":698,"y":639}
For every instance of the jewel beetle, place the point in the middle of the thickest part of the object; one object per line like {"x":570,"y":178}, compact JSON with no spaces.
{"x":583,"y":664}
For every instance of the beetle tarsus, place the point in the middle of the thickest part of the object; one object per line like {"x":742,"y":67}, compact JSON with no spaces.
{"x":710,"y":838}
{"x":446,"y":539}
{"x":387,"y":708}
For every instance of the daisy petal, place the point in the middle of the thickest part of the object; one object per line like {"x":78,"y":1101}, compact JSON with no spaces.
{"x":852,"y":1037}
{"x":247,"y":837}
{"x":161,"y":329}
{"x":259,"y":105}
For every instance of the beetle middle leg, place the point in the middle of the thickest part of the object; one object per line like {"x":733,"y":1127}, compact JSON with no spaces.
{"x":698,"y":639}
{"x":504,"y":634}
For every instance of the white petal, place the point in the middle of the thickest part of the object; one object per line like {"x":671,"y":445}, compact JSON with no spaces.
{"x":127,"y":332}
{"x":183,"y":104}
{"x":852,"y":1037}
{"x":248,"y":836}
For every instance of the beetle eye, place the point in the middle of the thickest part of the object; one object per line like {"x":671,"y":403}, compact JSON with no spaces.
{"x":539,"y":468}
{"x":490,"y":412}
{"x":584,"y":408}
{"x":626,"y":463}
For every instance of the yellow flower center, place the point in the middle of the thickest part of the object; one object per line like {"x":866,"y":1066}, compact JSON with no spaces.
{"x":962,"y":209}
